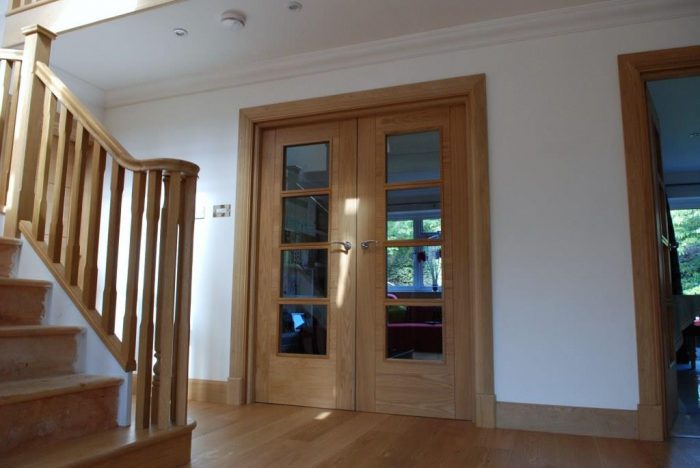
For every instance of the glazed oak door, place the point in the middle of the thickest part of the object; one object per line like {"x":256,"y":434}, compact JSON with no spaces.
{"x":413,"y":343}
{"x":305,"y":321}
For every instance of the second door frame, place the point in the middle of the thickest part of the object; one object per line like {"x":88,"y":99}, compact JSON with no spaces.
{"x":469,"y":90}
{"x":635,"y":71}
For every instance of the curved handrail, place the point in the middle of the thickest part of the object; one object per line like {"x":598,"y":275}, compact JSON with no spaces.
{"x":102,"y":136}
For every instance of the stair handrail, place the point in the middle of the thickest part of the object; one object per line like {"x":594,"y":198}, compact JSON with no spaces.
{"x":162,"y":197}
{"x":102,"y":135}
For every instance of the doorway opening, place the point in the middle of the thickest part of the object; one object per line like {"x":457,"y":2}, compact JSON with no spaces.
{"x":650,"y":231}
{"x":674,"y":116}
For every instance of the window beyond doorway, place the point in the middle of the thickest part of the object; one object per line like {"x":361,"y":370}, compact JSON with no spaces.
{"x":686,"y":224}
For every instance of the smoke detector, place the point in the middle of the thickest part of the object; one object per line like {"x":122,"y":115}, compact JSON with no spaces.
{"x":233,"y":20}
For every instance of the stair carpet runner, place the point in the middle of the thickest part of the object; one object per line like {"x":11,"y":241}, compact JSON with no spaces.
{"x":43,"y":400}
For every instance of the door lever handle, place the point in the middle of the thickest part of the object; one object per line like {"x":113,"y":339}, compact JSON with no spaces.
{"x":365,"y":243}
{"x":347,"y":245}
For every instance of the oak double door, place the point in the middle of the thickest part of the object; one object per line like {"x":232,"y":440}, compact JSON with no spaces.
{"x":362,"y":248}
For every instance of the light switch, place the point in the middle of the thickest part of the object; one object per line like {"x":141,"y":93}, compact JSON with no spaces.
{"x":222,"y":211}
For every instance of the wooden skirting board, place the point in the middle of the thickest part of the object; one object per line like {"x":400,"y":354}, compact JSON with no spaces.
{"x":208,"y":391}
{"x":567,"y":420}
{"x":522,"y":416}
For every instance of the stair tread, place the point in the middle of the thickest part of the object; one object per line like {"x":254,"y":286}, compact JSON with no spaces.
{"x":33,"y":389}
{"x":8,"y":331}
{"x":94,"y":448}
{"x":10,"y":241}
{"x":25,"y":282}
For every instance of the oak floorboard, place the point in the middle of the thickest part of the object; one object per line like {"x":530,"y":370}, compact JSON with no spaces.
{"x":262,"y":435}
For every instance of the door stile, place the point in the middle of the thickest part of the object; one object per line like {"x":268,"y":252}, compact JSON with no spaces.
{"x":458,"y":189}
{"x":366,"y":268}
{"x":344,"y":228}
{"x":265,"y":300}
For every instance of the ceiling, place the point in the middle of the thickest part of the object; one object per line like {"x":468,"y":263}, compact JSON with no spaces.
{"x":677,"y":104}
{"x":142,"y":48}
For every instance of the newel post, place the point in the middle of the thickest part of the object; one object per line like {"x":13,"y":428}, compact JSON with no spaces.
{"x":20,"y":199}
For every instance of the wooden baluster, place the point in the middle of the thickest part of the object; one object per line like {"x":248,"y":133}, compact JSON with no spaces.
{"x":167,"y":303}
{"x":5,"y":99}
{"x":132,"y":277}
{"x":143,"y":382}
{"x":75,"y":210}
{"x":155,"y":399}
{"x":109,"y":298}
{"x":42,"y":172}
{"x":25,"y":150}
{"x":184,"y":299}
{"x":5,"y":82}
{"x":8,"y":141}
{"x":97,"y":170}
{"x":65,"y":126}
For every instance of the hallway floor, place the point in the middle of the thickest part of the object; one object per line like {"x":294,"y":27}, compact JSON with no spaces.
{"x":687,"y":423}
{"x":286,"y":436}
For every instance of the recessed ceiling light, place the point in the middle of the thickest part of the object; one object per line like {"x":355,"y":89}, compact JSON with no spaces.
{"x":180,"y":32}
{"x":294,"y":6}
{"x":233,"y":20}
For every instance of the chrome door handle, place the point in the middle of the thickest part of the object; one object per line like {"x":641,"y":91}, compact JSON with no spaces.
{"x":365,"y":243}
{"x":347,"y":245}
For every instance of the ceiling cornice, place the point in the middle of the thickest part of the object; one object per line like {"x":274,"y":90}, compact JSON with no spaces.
{"x":599,"y":15}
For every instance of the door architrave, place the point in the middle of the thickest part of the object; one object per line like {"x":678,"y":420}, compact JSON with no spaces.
{"x":469,"y":90}
{"x":635,"y":70}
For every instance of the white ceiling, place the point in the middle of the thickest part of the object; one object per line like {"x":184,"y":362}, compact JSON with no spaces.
{"x":142,"y":48}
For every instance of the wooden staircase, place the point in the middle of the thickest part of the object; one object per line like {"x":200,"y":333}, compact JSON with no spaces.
{"x":56,"y":160}
{"x":42,"y":398}
{"x":51,"y":415}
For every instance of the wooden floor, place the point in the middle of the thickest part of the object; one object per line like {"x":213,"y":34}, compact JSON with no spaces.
{"x":287,"y":436}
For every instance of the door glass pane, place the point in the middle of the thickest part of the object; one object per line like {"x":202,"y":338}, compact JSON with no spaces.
{"x":413,"y":156}
{"x":414,"y":272}
{"x":306,"y":167}
{"x":305,"y":219}
{"x":414,"y":332}
{"x":304,"y":273}
{"x":413,"y":214}
{"x":303,"y":329}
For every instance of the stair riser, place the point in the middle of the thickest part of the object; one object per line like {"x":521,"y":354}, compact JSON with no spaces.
{"x":40,"y":422}
{"x":37,"y":356}
{"x":9,"y":258}
{"x":22,"y":305}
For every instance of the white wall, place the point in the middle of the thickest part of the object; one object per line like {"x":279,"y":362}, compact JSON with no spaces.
{"x":563,"y":300}
{"x":3,"y":9}
{"x":91,"y":96}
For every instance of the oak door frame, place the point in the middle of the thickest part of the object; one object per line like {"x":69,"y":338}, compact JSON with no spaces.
{"x":469,"y":90}
{"x":635,"y":70}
